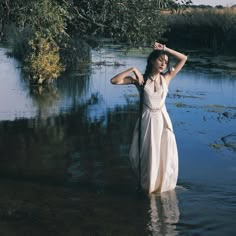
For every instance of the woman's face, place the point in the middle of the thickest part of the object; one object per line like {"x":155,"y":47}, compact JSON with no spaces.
{"x":160,"y":64}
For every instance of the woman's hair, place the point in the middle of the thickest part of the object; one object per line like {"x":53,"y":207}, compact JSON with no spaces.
{"x":152,"y":57}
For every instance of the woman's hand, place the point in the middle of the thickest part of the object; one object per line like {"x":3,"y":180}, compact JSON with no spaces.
{"x":158,"y":46}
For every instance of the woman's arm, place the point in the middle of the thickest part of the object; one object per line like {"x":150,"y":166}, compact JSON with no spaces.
{"x":181,"y":60}
{"x":129,"y":76}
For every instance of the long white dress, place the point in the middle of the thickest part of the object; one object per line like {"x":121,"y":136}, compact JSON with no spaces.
{"x":158,"y":150}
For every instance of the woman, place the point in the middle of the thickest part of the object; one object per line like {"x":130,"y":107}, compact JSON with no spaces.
{"x":153,"y":153}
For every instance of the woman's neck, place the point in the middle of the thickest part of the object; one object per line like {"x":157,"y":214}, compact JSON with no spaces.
{"x":155,"y":76}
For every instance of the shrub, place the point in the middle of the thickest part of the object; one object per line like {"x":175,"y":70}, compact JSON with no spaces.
{"x":43,"y":63}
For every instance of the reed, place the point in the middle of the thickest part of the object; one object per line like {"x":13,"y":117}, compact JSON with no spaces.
{"x":211,"y":29}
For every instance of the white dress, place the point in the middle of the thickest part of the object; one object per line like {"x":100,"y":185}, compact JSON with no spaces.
{"x":158,"y":151}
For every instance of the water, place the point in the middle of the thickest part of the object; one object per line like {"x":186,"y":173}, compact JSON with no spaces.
{"x":63,"y":151}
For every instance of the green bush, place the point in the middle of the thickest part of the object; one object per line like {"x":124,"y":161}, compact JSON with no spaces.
{"x":43,"y":63}
{"x":37,"y":30}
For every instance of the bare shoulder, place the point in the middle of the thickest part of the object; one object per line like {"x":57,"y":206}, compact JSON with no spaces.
{"x":170,"y":74}
{"x":167,"y":78}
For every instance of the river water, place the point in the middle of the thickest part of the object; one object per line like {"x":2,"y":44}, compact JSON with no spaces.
{"x":64,"y":166}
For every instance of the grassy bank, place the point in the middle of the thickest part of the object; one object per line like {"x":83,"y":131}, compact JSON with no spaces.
{"x":210,"y":29}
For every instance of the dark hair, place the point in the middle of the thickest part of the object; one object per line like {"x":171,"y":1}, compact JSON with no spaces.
{"x":152,"y":57}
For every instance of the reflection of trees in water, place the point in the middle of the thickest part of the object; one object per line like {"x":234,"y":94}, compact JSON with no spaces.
{"x":100,"y":154}
{"x":69,"y":144}
{"x":33,"y":147}
{"x":75,"y":84}
{"x":44,"y":96}
{"x":121,"y":122}
{"x":164,"y":213}
{"x":71,"y":90}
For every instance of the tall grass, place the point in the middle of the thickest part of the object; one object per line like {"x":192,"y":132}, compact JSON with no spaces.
{"x":210,"y":29}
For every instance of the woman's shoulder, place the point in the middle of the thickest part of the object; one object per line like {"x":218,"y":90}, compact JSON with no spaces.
{"x":165,"y":79}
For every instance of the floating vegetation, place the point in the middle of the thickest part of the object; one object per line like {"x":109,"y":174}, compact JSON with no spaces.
{"x":108,"y":63}
{"x":230,"y":140}
{"x":217,"y":106}
{"x":183,"y":105}
{"x":216,"y":145}
{"x":142,"y":51}
{"x":177,"y":95}
{"x":215,"y":64}
{"x":224,"y":112}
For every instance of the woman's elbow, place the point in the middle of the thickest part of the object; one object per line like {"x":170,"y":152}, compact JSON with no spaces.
{"x":112,"y":81}
{"x":185,"y":58}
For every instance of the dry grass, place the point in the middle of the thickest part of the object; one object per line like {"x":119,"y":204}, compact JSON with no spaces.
{"x":212,"y":29}
{"x":225,"y":10}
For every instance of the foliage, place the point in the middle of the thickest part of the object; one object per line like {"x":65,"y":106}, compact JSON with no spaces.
{"x":4,"y":15}
{"x":40,"y":27}
{"x":18,"y":39}
{"x":52,"y":24}
{"x":76,"y":54}
{"x":136,"y":22}
{"x":44,"y":16}
{"x":43,"y":63}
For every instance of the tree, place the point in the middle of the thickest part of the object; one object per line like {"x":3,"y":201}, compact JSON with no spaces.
{"x":136,"y":22}
{"x":49,"y":26}
{"x":45,"y":23}
{"x":4,"y":15}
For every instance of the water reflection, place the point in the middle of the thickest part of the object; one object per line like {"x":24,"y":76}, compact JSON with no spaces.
{"x":100,"y":149}
{"x":75,"y":88}
{"x":164,"y":214}
{"x":78,"y":132}
{"x":75,"y":85}
{"x":33,"y":148}
{"x":74,"y":148}
{"x":44,"y":98}
{"x":66,"y":94}
{"x":20,"y":100}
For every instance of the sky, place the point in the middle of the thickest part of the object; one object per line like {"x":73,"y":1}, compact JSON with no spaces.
{"x":226,"y":3}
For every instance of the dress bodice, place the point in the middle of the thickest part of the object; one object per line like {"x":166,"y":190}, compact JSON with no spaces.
{"x":155,"y":99}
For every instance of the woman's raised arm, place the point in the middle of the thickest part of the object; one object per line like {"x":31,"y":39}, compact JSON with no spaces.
{"x":129,"y":76}
{"x":181,"y":59}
